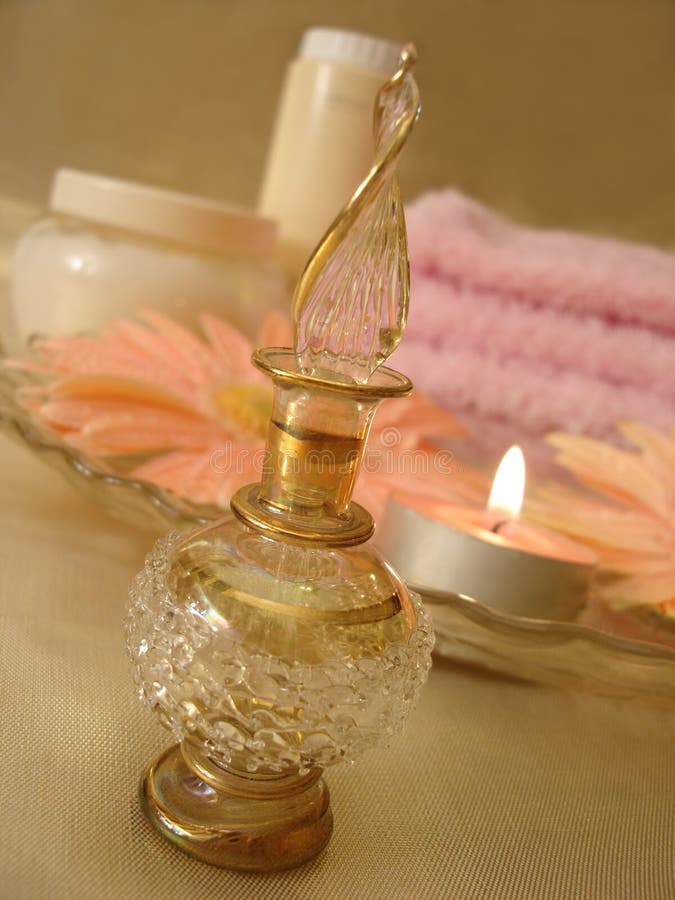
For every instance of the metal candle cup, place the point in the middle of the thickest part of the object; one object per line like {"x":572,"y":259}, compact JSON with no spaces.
{"x":535,"y":574}
{"x":490,"y":555}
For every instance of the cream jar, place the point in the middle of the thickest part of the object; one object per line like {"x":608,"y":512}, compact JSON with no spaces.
{"x":107,"y":247}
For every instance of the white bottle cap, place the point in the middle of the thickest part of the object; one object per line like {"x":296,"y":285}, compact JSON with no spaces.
{"x":350,"y":47}
{"x":153,"y":211}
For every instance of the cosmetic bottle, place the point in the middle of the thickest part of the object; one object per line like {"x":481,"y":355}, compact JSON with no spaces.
{"x":322,"y":143}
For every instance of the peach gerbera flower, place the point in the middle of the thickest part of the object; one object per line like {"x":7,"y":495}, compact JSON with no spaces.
{"x":632,"y":528}
{"x":190,"y":412}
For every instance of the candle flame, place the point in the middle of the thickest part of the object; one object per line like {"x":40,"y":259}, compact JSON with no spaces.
{"x":508,"y":486}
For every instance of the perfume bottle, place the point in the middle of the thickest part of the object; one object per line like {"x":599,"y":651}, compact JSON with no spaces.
{"x":277,"y":641}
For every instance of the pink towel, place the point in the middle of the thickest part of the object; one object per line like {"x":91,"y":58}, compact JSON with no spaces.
{"x":521,"y":332}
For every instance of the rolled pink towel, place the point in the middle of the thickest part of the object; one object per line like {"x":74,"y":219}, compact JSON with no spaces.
{"x":522,"y":331}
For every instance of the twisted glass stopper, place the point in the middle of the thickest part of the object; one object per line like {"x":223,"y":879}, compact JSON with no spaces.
{"x":351,"y":303}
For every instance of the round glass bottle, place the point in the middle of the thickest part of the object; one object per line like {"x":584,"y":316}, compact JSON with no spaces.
{"x":277,"y":641}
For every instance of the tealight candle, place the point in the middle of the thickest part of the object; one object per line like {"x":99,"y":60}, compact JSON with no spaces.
{"x":491,"y":554}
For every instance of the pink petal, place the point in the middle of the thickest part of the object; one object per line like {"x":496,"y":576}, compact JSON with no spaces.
{"x":614,"y":472}
{"x":658,"y":452}
{"x":631,"y":532}
{"x":418,"y":415}
{"x":192,"y":352}
{"x":160,"y":348}
{"x":118,"y":389}
{"x":201,"y":476}
{"x":126,"y":433}
{"x":111,"y":356}
{"x":232,"y":347}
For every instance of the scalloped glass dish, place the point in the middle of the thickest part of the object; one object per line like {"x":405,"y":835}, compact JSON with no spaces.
{"x":564,"y":654}
{"x":561,"y":654}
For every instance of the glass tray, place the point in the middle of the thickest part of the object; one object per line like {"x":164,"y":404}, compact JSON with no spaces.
{"x":564,"y":654}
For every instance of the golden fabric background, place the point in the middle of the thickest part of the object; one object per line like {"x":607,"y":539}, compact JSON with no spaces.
{"x":559,"y":112}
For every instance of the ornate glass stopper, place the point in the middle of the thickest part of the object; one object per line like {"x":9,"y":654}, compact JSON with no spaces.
{"x":277,"y":641}
{"x":351,"y":303}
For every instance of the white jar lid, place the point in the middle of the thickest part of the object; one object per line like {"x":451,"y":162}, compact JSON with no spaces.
{"x":156,"y":212}
{"x":352,"y":47}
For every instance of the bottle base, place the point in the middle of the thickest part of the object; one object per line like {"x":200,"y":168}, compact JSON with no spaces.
{"x":245,"y":823}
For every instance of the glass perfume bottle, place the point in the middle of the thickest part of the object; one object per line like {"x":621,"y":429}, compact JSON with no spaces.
{"x":277,"y":641}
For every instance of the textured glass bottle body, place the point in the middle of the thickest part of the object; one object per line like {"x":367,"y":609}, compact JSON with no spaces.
{"x":272,"y":657}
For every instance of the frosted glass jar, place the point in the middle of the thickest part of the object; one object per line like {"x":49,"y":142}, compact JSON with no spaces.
{"x":107,"y":247}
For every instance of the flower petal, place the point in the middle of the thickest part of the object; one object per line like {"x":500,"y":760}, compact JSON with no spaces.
{"x":211,"y":475}
{"x":231,"y":346}
{"x":196,"y":357}
{"x":641,"y":590}
{"x":616,"y":473}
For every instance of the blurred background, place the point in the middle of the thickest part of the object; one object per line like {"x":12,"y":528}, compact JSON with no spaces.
{"x":556,"y":112}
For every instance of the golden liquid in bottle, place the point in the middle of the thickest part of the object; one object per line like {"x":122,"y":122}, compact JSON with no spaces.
{"x":299,"y":602}
{"x":309,"y":470}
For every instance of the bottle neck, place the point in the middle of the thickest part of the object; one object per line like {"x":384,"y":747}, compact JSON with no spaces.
{"x":315,"y":444}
